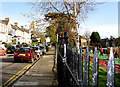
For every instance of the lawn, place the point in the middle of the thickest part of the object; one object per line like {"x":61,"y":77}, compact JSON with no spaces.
{"x":102,"y":77}
{"x":105,"y":57}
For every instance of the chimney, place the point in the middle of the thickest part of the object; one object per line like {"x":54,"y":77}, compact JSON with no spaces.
{"x":22,"y":27}
{"x":7,"y":19}
{"x":16,"y":24}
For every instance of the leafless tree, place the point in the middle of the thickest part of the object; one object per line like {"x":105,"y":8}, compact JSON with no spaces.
{"x":87,"y":35}
{"x":75,"y":9}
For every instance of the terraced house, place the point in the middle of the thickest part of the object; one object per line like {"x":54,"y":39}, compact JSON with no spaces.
{"x":5,"y":31}
{"x":10,"y":32}
{"x":21,"y":35}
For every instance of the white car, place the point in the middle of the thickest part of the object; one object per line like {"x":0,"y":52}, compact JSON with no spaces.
{"x":43,"y":49}
{"x":37,"y":50}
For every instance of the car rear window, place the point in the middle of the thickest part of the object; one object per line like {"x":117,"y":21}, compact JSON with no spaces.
{"x":11,"y":47}
{"x":35,"y":48}
{"x":24,"y":50}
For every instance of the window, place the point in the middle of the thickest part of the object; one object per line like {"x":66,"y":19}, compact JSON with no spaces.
{"x":24,"y":50}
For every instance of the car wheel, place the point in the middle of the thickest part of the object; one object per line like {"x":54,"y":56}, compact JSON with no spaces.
{"x":15,"y":60}
{"x":38,"y":56}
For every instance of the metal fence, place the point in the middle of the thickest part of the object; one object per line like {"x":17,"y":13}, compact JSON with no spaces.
{"x":70,"y":67}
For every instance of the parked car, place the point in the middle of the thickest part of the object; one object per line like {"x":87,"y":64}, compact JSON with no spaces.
{"x":2,"y":51}
{"x":47,"y":48}
{"x":37,"y":50}
{"x":25,"y":53}
{"x":43,"y":49}
{"x":11,"y":49}
{"x":49,"y":45}
{"x":18,"y":46}
{"x":25,"y":45}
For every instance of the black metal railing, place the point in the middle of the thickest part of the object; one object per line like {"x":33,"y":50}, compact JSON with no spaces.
{"x":70,"y":67}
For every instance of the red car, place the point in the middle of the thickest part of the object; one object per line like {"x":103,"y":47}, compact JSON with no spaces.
{"x":25,"y":53}
{"x":2,"y":51}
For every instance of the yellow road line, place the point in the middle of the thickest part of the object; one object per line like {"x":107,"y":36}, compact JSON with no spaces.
{"x":13,"y":76}
{"x":16,"y":75}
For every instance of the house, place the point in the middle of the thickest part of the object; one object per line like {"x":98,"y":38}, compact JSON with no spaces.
{"x":12,"y":33}
{"x":21,"y":35}
{"x":17,"y":33}
{"x":26,"y":35}
{"x":108,"y":42}
{"x":9,"y":29}
{"x":5,"y":31}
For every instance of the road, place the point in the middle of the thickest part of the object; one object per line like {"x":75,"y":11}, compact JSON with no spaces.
{"x":10,"y":71}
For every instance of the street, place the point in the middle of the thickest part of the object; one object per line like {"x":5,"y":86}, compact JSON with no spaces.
{"x":15,"y":73}
{"x":9,"y":67}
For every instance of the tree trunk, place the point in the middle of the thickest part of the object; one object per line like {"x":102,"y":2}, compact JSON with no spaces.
{"x":76,"y":26}
{"x":77,"y":37}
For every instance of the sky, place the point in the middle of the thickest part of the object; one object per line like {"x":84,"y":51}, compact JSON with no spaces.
{"x":104,"y":19}
{"x":15,"y":11}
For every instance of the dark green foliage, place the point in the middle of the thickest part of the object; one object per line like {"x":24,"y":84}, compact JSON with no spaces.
{"x":117,"y":41}
{"x":59,"y":23}
{"x":95,"y":38}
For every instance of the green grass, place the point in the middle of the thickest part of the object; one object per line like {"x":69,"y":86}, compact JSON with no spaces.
{"x":102,"y":77}
{"x":104,"y":57}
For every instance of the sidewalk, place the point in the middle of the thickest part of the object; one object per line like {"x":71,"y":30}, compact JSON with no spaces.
{"x":40,"y":75}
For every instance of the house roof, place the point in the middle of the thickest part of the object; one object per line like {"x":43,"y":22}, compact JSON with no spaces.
{"x":14,"y":27}
{"x":5,"y":21}
{"x":26,"y":30}
{"x":18,"y":28}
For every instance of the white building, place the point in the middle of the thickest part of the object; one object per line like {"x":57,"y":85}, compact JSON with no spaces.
{"x":5,"y":29}
{"x":9,"y":32}
{"x":21,"y":35}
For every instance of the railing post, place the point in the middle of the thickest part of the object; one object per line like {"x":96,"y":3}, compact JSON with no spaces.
{"x":64,"y":67}
{"x":87,"y":61}
{"x":76,"y":63}
{"x":95,"y":69}
{"x":56,"y":48}
{"x":111,"y":70}
{"x":65,"y":59}
{"x":60,"y":66}
{"x":80,"y":67}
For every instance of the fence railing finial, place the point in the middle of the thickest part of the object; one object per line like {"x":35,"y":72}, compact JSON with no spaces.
{"x":95,"y":69}
{"x":111,"y":70}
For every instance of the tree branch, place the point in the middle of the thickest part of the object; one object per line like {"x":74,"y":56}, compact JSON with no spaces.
{"x":80,"y":7}
{"x":70,"y":6}
{"x":66,"y":8}
{"x":55,"y":7}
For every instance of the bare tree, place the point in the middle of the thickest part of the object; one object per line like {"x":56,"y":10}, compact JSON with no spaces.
{"x":75,"y":9}
{"x":87,"y":36}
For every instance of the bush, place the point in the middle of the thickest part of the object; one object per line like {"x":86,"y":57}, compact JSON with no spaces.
{"x":18,"y":42}
{"x":7,"y":45}
{"x":3,"y":42}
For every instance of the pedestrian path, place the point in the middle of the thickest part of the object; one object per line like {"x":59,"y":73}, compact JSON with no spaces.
{"x":40,"y":75}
